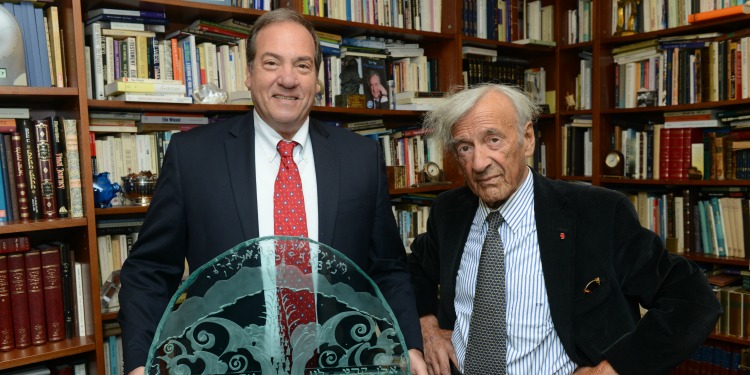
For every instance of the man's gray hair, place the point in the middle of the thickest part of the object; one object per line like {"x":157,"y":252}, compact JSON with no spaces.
{"x":439,"y":122}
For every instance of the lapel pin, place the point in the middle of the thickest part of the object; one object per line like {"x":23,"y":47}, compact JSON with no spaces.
{"x":562,"y":236}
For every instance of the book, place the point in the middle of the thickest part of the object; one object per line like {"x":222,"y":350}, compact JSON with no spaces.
{"x":66,"y":282}
{"x":15,"y":113}
{"x":56,"y":45}
{"x":58,"y":150}
{"x":6,"y":203}
{"x":46,"y":169}
{"x":83,"y":298}
{"x":124,"y":12}
{"x":537,"y":42}
{"x":30,"y":165}
{"x":52,"y":291}
{"x":710,"y":123}
{"x":73,"y":166}
{"x":155,"y":127}
{"x":116,"y":88}
{"x":156,"y":98}
{"x":713,"y":14}
{"x":20,"y":176}
{"x":19,"y":300}
{"x":6,"y":319}
{"x":173,"y":118}
{"x":35,"y":293}
{"x":113,"y":129}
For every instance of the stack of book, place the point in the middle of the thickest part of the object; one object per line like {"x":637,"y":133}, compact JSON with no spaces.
{"x":147,"y":90}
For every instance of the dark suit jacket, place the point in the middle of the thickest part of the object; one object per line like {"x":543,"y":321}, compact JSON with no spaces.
{"x":205,"y":203}
{"x":584,"y":232}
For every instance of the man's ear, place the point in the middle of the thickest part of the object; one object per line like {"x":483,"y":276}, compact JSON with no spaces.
{"x":248,"y":76}
{"x":529,"y":140}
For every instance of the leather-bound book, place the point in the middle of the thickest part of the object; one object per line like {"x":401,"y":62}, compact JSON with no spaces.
{"x":53,"y":293}
{"x":31,"y":166}
{"x":46,"y":165}
{"x":6,"y":315}
{"x":35,"y":292}
{"x":19,"y":300}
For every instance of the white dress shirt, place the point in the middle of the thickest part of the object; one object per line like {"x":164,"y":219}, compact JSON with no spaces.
{"x":533,"y":346}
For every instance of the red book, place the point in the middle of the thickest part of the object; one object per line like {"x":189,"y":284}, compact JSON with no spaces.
{"x":6,"y":317}
{"x":20,"y":172}
{"x":664,"y":152}
{"x":19,"y":300}
{"x":676,"y":155}
{"x":46,"y":169}
{"x":14,"y":244}
{"x":35,"y":293}
{"x":53,"y":293}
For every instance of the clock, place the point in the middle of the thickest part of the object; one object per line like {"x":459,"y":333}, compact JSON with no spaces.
{"x":12,"y":60}
{"x":614,"y":164}
{"x":432,"y":172}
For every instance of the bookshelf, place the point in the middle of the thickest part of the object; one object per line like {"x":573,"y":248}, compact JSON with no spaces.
{"x":561,"y":64}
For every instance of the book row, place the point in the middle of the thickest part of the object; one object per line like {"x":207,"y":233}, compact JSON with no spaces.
{"x":518,"y":21}
{"x":713,"y":358}
{"x":423,"y":15}
{"x":711,"y":67}
{"x":45,"y":297}
{"x":39,"y":169}
{"x":710,"y":222}
{"x":662,"y":153}
{"x":43,"y":53}
{"x":654,"y":15}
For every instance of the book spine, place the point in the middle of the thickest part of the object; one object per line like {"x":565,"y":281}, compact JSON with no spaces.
{"x":19,"y":301}
{"x":58,"y":149}
{"x":53,"y":293}
{"x":6,"y":320}
{"x":14,"y":244}
{"x":6,"y":207}
{"x":35,"y":293}
{"x":11,"y":175}
{"x":28,"y":148}
{"x":46,"y":169}
{"x":20,"y":176}
{"x":75,"y":194}
{"x":66,"y":276}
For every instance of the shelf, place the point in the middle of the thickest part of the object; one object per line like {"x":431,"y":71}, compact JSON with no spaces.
{"x":682,"y":107}
{"x":21,"y":96}
{"x":180,"y":11}
{"x":347,"y":28}
{"x":509,"y":49}
{"x":577,"y":46}
{"x":364,"y":112}
{"x":37,"y":225}
{"x":108,"y":316}
{"x":724,"y":24}
{"x":605,"y":180}
{"x":577,"y":178}
{"x":182,"y":108}
{"x":46,"y":352}
{"x":425,"y":189}
{"x":732,"y":339}
{"x":717,"y":260}
{"x":122,"y":210}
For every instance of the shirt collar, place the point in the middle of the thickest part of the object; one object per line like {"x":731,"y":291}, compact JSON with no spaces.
{"x":513,"y":210}
{"x":267,"y":138}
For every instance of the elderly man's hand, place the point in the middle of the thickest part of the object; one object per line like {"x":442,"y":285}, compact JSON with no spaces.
{"x":438,"y":348}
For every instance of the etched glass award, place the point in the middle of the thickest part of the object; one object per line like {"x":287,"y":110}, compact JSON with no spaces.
{"x":247,"y":314}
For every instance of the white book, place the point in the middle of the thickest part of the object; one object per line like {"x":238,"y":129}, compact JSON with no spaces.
{"x":124,"y":33}
{"x":711,"y":123}
{"x":113,"y":129}
{"x":155,"y":98}
{"x":21,"y":113}
{"x":116,"y":88}
{"x":175,"y":119}
{"x":94,"y":30}
{"x":87,"y":67}
{"x":539,"y":42}
{"x":679,"y":228}
{"x":479,"y":51}
{"x":150,"y":80}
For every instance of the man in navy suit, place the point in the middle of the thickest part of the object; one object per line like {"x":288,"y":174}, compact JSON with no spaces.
{"x":217,"y":183}
{"x":576,"y":261}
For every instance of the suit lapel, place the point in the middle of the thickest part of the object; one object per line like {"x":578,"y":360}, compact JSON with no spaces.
{"x":327,"y":175}
{"x":240,"y":155}
{"x":555,"y":226}
{"x":460,"y":216}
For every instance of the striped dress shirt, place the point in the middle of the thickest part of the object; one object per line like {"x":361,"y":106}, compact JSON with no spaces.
{"x":533,"y":346}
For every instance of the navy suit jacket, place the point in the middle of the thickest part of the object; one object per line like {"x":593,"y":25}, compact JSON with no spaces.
{"x":205,"y":203}
{"x":584,"y":232}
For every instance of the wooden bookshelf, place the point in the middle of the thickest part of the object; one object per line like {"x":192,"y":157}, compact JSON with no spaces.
{"x":445,"y":46}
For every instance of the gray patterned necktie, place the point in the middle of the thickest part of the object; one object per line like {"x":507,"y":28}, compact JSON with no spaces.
{"x":486,"y":351}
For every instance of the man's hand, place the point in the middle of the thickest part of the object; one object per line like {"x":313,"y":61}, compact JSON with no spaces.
{"x":138,"y":371}
{"x":438,"y":348}
{"x":604,"y":368}
{"x":418,"y":367}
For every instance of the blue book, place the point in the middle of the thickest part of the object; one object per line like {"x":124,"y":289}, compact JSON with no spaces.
{"x":36,"y":50}
{"x":43,"y":50}
{"x":704,"y":225}
{"x":19,"y":10}
{"x":719,"y":224}
{"x":188,"y":65}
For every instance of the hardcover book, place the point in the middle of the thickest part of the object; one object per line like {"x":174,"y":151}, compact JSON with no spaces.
{"x":53,"y":293}
{"x":6,"y":320}
{"x":19,"y":300}
{"x":46,"y":169}
{"x":35,"y":293}
{"x":29,"y":159}
{"x":75,"y":194}
{"x":58,"y":150}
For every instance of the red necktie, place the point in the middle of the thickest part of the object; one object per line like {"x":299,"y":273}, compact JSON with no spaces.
{"x":295,"y":307}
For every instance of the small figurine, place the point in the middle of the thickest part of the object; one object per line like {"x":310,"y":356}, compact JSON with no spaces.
{"x":104,"y":190}
{"x":570,"y":100}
